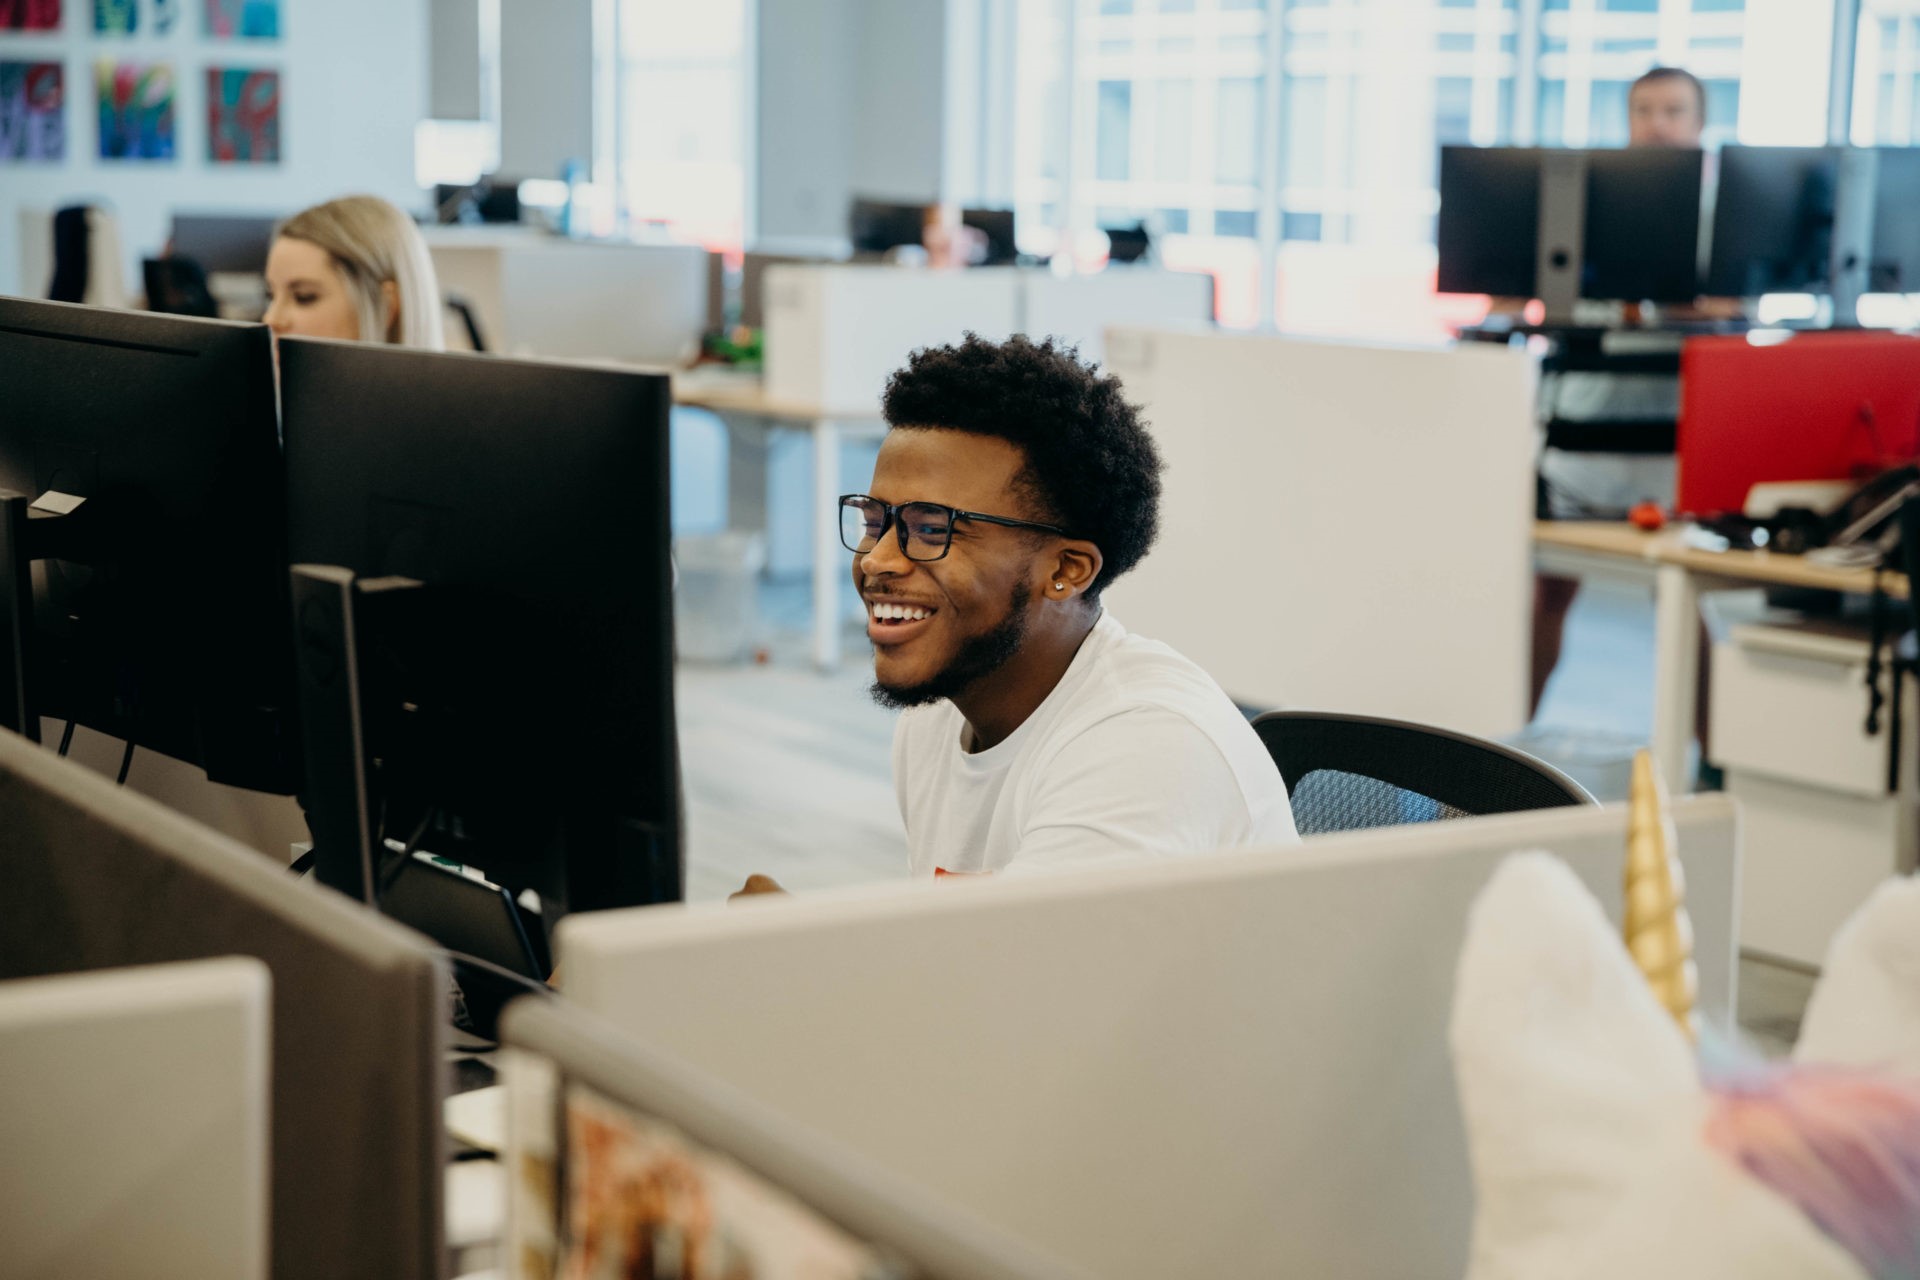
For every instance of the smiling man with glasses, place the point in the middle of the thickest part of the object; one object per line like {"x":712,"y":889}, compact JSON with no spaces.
{"x":1013,"y":486}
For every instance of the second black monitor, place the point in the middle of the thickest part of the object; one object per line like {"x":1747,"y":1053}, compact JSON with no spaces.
{"x":1641,"y":227}
{"x":498,"y":531}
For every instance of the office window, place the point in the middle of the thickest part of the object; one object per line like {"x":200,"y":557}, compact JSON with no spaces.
{"x":1237,"y":132}
{"x":1607,"y":114}
{"x":1173,"y":134}
{"x":1167,"y":111}
{"x":1114,"y":131}
{"x":1886,"y":107}
{"x":1234,"y":222}
{"x":1453,"y":110}
{"x":680,"y":126}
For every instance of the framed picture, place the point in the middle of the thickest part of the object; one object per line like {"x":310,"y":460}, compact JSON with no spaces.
{"x":243,"y":116}
{"x":249,"y":19}
{"x":136,"y":110}
{"x":33,"y":115}
{"x":116,"y":17}
{"x":29,"y":15}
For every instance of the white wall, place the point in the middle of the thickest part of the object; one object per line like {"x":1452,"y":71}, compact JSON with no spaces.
{"x":353,"y":83}
{"x":849,"y":101}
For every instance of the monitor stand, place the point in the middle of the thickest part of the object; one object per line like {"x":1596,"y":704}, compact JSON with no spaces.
{"x":16,"y":618}
{"x":1561,"y":233}
{"x":329,"y":643}
{"x":1855,"y":194}
{"x":27,"y":533}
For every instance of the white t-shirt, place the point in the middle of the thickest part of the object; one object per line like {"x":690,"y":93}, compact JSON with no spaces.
{"x":1136,"y":751}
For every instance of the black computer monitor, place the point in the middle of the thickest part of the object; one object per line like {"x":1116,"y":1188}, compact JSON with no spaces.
{"x":491,"y":199}
{"x":483,"y":620}
{"x":224,"y":242}
{"x":1640,"y":230}
{"x":875,"y":226}
{"x":158,"y":607}
{"x":1773,"y":221}
{"x":1489,"y":220}
{"x":1643,"y":225}
{"x":1129,"y":243}
{"x":1893,"y":265}
{"x":997,"y":224}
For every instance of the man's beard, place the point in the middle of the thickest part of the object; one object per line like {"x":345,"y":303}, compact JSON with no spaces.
{"x":979,"y":656}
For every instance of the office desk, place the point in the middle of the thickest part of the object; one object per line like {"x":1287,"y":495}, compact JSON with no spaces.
{"x":1680,"y":574}
{"x":737,"y":401}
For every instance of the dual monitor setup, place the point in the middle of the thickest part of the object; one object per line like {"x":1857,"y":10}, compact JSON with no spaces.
{"x":429,"y":594}
{"x":876,"y":226}
{"x":1564,"y":225}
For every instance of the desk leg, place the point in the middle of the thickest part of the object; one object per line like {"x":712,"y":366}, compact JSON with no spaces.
{"x":1676,"y":672}
{"x":829,"y":557}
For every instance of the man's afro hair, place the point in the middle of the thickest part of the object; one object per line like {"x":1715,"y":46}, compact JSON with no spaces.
{"x":1091,"y":467}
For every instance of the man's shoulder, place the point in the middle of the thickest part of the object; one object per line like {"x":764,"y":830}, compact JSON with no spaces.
{"x":1139,"y":674}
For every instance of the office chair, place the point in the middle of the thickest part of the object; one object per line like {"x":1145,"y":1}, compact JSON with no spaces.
{"x":1349,"y":773}
{"x":463,"y":311}
{"x":177,"y":286}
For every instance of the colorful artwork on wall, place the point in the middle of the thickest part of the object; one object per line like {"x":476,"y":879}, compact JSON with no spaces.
{"x":29,"y":15}
{"x":252,"y":19}
{"x":136,"y":110}
{"x":33,"y":117}
{"x":116,"y":17}
{"x":243,"y":116}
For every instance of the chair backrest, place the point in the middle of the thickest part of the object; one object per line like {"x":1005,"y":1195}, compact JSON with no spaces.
{"x":1348,"y":773}
{"x":463,"y":311}
{"x":178,"y":286}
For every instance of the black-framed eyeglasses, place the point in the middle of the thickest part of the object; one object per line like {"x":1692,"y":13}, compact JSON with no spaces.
{"x":925,"y":529}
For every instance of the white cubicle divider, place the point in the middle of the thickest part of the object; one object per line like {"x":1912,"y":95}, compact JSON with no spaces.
{"x":1234,"y":1065}
{"x":1344,"y":526}
{"x":1081,"y":308}
{"x":834,"y":332}
{"x":134,"y":1122}
{"x":538,"y":295}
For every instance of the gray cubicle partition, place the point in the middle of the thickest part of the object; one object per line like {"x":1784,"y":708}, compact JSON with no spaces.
{"x":94,"y":877}
{"x":1233,"y":1065}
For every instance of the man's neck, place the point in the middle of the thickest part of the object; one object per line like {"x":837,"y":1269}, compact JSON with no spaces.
{"x":1000,"y":703}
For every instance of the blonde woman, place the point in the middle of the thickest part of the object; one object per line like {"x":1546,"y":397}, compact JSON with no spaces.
{"x":354,"y":268}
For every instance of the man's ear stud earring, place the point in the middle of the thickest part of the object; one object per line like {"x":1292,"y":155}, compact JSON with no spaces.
{"x":1059,"y":586}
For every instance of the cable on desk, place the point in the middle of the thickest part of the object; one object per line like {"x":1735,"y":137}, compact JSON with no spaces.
{"x":126,"y":763}
{"x":66,"y":738}
{"x":391,"y":869}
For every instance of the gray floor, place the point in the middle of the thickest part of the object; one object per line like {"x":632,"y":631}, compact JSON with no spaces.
{"x":787,"y":770}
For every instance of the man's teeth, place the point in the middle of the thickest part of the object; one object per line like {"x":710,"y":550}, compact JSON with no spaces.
{"x":899,"y":612}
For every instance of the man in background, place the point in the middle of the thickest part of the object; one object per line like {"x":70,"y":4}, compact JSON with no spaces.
{"x":1666,"y":107}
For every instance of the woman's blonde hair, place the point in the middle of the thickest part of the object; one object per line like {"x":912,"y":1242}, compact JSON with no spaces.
{"x":371,"y":242}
